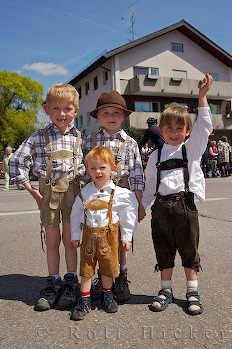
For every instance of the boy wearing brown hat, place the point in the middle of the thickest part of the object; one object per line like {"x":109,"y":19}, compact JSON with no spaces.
{"x":111,"y":110}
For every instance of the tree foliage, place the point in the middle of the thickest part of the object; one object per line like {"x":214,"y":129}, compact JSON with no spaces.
{"x":135,"y":133}
{"x":20,"y":100}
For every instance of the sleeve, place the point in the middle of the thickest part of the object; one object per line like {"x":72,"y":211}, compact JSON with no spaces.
{"x":136,"y":169}
{"x":202,"y":128}
{"x":144,"y":139}
{"x":21,"y":160}
{"x":127,"y":207}
{"x":76,"y":218}
{"x":150,"y":180}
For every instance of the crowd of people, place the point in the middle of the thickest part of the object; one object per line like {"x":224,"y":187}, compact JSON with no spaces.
{"x":93,"y":192}
{"x":216,"y":160}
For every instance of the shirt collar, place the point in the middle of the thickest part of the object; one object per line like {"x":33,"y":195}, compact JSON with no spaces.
{"x":107,"y":187}
{"x":121,"y":134}
{"x":54,"y":128}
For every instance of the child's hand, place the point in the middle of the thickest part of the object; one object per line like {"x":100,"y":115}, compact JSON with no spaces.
{"x":76,"y":243}
{"x":205,"y":84}
{"x":141,"y":213}
{"x":126,"y":245}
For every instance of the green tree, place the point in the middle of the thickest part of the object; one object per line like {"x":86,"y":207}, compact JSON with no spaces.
{"x":20,"y":101}
{"x":135,"y":133}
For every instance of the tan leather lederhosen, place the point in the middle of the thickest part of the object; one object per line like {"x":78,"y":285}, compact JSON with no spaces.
{"x":58,"y":194}
{"x":100,"y":244}
{"x":121,"y":181}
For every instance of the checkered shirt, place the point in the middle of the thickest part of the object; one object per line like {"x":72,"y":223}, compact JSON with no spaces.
{"x":32,"y":154}
{"x":131,"y":164}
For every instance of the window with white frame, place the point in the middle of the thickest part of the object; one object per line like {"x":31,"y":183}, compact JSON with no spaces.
{"x":177,"y":47}
{"x":144,"y":106}
{"x":152,"y":71}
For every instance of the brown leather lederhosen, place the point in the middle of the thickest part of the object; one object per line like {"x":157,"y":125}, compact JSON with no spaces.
{"x":58,"y":194}
{"x":99,"y":244}
{"x":174,"y":223}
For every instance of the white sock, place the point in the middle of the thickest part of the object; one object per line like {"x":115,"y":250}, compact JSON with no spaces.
{"x":192,"y":284}
{"x":56,"y":276}
{"x":123,"y":267}
{"x":166,"y":284}
{"x":72,"y":272}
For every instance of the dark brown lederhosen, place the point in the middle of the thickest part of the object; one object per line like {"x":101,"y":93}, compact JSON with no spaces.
{"x":100,"y":244}
{"x":174,"y":222}
{"x":58,"y":194}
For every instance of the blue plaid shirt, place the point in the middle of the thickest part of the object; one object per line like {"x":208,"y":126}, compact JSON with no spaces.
{"x":32,"y":153}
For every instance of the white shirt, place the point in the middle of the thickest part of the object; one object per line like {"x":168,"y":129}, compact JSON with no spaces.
{"x":124,"y":210}
{"x":172,"y":181}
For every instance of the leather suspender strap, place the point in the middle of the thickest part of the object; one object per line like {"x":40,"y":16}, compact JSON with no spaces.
{"x":76,"y":146}
{"x":185,"y":168}
{"x":110,"y":207}
{"x":172,"y":164}
{"x":158,"y":170}
{"x":49,"y":154}
{"x":118,"y":158}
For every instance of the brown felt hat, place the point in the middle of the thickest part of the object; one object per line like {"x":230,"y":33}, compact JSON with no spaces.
{"x":111,"y":99}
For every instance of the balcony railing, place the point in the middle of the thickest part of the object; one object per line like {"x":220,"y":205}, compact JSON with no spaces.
{"x":167,"y":86}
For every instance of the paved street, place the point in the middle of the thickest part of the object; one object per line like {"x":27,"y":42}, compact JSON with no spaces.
{"x":23,"y":271}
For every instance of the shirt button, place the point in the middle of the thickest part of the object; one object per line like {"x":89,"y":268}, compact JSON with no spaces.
{"x":101,"y":190}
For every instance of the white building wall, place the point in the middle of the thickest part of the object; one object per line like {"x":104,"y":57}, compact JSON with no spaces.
{"x":157,"y":53}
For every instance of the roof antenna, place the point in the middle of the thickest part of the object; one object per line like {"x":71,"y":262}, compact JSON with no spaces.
{"x":131,"y":24}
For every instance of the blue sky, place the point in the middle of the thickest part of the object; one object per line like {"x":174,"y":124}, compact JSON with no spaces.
{"x":52,"y":40}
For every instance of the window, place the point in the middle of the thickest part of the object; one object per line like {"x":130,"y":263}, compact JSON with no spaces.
{"x":215,"y":108}
{"x":177,"y":47}
{"x":86,"y":88}
{"x":149,"y":71}
{"x":140,"y":71}
{"x":215,"y":76}
{"x":95,"y":83}
{"x":79,"y":91}
{"x":179,"y":74}
{"x":142,"y":106}
{"x":105,"y":77}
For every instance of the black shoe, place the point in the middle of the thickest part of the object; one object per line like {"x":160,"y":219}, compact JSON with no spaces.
{"x":96,"y":287}
{"x":121,"y":287}
{"x":82,"y":308}
{"x":70,"y":292}
{"x":49,"y":295}
{"x":108,"y":302}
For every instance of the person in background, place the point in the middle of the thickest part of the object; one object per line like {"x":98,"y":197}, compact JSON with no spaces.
{"x":213,"y":158}
{"x":6,"y":160}
{"x":152,"y":135}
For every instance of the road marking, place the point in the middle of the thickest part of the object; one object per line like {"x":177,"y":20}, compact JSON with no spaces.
{"x":216,"y":199}
{"x":12,"y":213}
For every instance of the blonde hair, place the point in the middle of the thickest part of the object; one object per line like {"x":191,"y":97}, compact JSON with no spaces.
{"x":176,"y":115}
{"x":102,"y":153}
{"x":63,"y":91}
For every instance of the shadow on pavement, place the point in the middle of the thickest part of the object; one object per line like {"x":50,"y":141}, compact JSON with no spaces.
{"x":21,"y":287}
